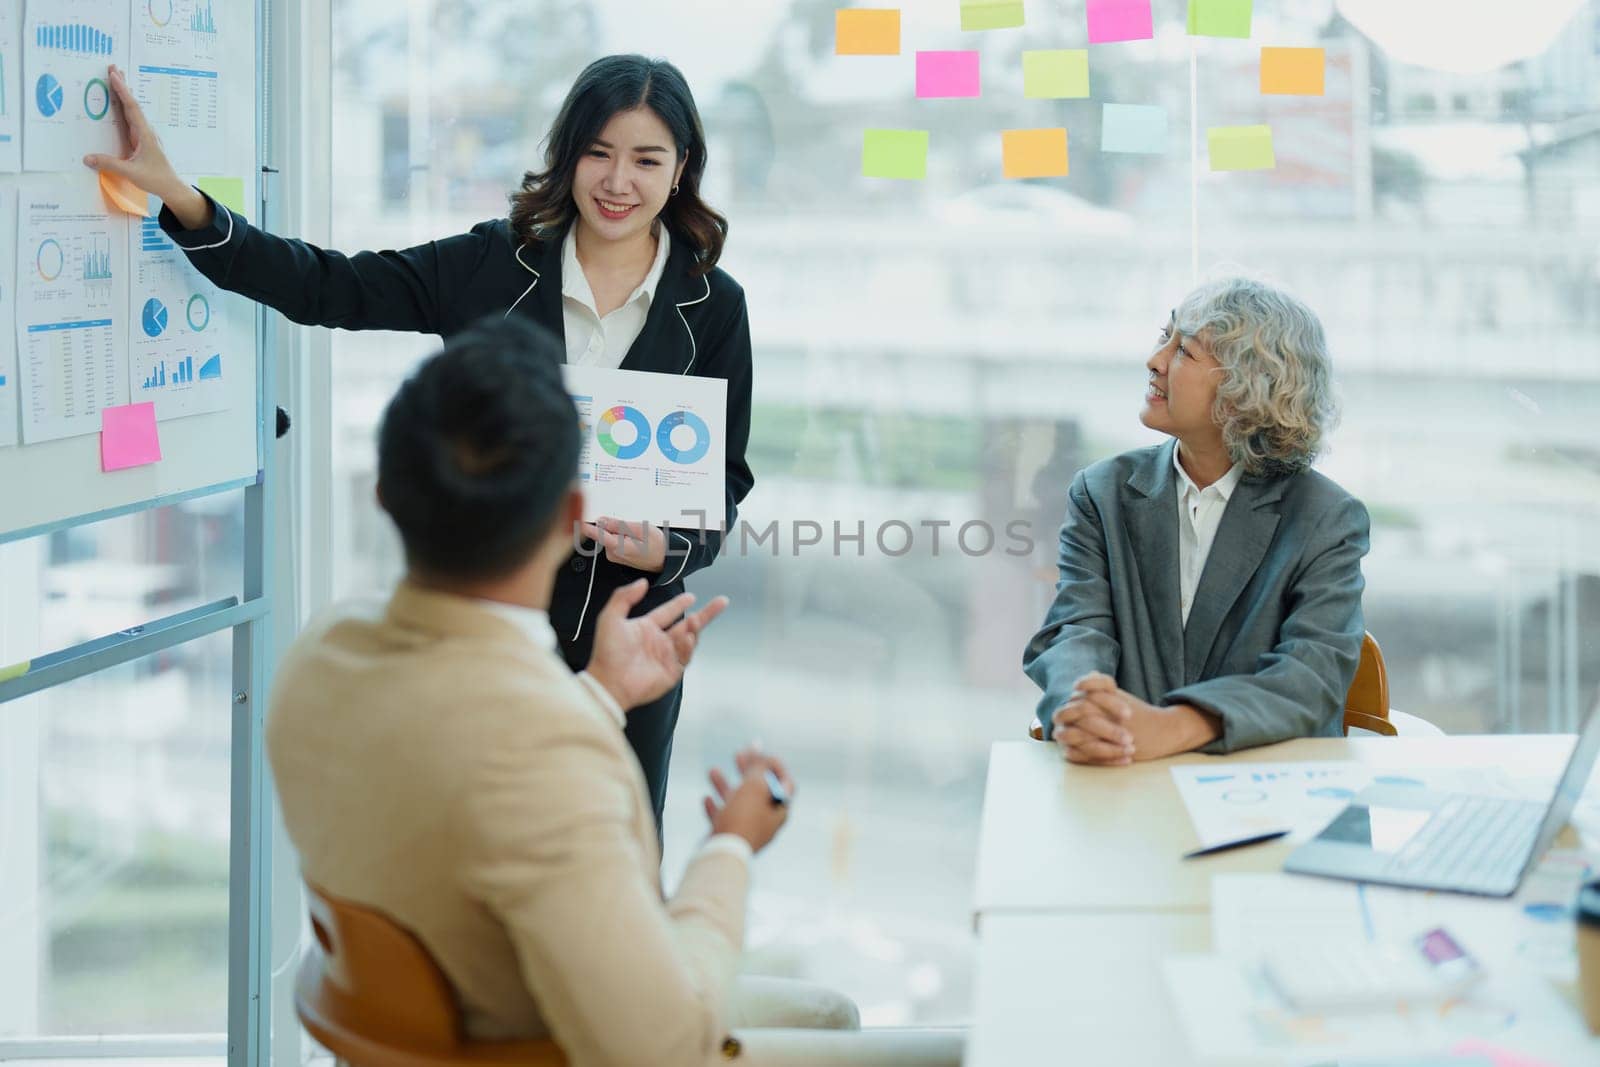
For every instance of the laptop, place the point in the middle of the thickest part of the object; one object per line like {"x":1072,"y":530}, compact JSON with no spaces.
{"x":1457,"y":842}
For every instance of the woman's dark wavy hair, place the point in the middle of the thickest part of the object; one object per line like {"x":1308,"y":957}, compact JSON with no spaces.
{"x":607,"y":86}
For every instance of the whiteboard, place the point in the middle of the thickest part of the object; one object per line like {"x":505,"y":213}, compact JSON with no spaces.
{"x":59,"y":482}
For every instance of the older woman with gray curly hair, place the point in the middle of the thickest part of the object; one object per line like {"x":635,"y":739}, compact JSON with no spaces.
{"x":1210,"y":587}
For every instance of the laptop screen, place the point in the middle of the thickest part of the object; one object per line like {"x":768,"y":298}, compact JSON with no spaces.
{"x":1570,"y":788}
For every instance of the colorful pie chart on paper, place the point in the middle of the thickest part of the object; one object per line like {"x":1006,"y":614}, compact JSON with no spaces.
{"x":683,"y":437}
{"x":635,"y":439}
{"x":153,"y":318}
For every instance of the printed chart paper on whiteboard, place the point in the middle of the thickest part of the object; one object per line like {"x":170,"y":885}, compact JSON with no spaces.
{"x":9,"y":385}
{"x":10,"y":87}
{"x":654,"y":446}
{"x":176,"y":325}
{"x":67,"y":46}
{"x":72,"y":298}
{"x":178,"y":79}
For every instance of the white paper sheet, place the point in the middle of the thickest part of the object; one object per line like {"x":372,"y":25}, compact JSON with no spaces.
{"x":175,"y":326}
{"x":10,"y":86}
{"x":10,"y":387}
{"x":176,"y":77}
{"x":1232,"y":800}
{"x":72,"y":299}
{"x":654,"y":446}
{"x":67,"y":46}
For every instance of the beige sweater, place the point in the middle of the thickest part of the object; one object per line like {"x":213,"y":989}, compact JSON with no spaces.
{"x":436,"y":764}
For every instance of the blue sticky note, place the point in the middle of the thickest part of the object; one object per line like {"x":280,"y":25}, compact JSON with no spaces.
{"x":1133,"y":128}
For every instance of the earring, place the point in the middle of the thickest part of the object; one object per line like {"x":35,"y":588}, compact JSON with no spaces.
{"x":674,"y":189}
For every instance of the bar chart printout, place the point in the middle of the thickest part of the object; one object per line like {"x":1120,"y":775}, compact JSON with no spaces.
{"x":176,"y":316}
{"x":178,"y":80}
{"x":71,"y":270}
{"x":65,"y":96}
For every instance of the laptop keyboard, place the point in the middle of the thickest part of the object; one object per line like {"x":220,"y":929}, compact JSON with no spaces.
{"x":1472,"y":843}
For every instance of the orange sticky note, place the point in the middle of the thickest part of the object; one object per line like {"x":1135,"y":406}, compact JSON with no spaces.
{"x":128,"y":436}
{"x":1034,"y":153}
{"x":861,"y":31}
{"x":1293,"y":71}
{"x":123,"y":195}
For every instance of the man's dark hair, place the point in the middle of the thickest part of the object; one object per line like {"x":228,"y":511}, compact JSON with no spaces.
{"x":477,"y":451}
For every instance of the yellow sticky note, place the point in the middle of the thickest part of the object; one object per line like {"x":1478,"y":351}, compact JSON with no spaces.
{"x":229,"y":192}
{"x":1055,"y":74}
{"x":16,"y":670}
{"x":1034,"y":153}
{"x":991,"y":14}
{"x":895,"y":154}
{"x":1240,"y":147}
{"x":1293,"y":71}
{"x":866,"y":32}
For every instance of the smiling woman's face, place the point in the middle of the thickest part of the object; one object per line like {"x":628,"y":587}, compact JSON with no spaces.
{"x":1183,"y":386}
{"x":625,"y":176}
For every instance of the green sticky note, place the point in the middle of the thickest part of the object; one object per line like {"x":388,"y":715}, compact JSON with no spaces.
{"x":229,"y":192}
{"x":16,"y":670}
{"x":991,"y":14}
{"x":1055,"y":74}
{"x":895,"y":154}
{"x":1240,"y":147}
{"x":1219,"y":18}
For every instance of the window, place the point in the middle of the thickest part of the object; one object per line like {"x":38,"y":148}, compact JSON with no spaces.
{"x":954,"y":350}
{"x":114,"y":788}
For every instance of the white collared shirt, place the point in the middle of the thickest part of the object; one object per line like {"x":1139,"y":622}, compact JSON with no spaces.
{"x":1199,"y":514}
{"x":593,"y":341}
{"x":535,"y":626}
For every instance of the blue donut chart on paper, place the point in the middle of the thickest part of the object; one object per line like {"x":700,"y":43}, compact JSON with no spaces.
{"x":702,"y":437}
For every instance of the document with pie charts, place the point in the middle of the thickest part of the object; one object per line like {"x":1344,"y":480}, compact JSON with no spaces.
{"x":176,"y":331}
{"x":654,"y":446}
{"x":67,"y":46}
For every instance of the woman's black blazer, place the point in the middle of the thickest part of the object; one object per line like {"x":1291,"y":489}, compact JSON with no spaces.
{"x":696,"y":325}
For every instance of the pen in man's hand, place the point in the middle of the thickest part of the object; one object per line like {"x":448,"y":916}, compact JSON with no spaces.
{"x":775,"y":790}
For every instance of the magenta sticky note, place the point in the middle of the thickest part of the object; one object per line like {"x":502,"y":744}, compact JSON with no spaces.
{"x":1119,"y":20}
{"x":947,"y":74}
{"x":128,"y":436}
{"x":1496,"y":1054}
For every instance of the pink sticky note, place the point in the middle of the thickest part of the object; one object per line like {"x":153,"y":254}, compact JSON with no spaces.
{"x":1498,"y":1055}
{"x":947,"y":74}
{"x":1119,"y":20}
{"x":128,"y":436}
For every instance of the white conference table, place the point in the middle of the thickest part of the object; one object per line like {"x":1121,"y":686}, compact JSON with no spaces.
{"x":1082,"y":893}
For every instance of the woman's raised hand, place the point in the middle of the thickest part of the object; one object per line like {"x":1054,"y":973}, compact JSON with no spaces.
{"x":143,"y":161}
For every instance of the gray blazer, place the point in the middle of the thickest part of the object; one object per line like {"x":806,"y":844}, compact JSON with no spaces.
{"x":1275,"y":631}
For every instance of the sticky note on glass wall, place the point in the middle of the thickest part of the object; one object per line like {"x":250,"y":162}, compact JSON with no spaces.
{"x":866,"y":32}
{"x":991,"y":14}
{"x":895,"y":154}
{"x":1034,"y":153}
{"x":946,"y":74}
{"x":1055,"y":74}
{"x":1219,"y":18}
{"x":128,"y":436}
{"x":1119,"y":20}
{"x":1133,"y":128}
{"x":1293,"y":71}
{"x":1240,"y":147}
{"x":229,"y":192}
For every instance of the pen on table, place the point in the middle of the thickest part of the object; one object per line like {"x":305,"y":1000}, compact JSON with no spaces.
{"x":775,"y":790}
{"x":1238,"y":842}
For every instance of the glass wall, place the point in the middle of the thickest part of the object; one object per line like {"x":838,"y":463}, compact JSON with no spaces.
{"x":114,"y":788}
{"x":950,"y":352}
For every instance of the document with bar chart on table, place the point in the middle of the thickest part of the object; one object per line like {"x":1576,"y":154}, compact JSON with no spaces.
{"x":72,"y":295}
{"x":654,"y":445}
{"x":67,"y":46}
{"x":178,"y":79}
{"x":176,"y":329}
{"x":10,"y":87}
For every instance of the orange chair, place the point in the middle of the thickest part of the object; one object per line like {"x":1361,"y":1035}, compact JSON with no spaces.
{"x":370,"y":993}
{"x":1366,"y":705}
